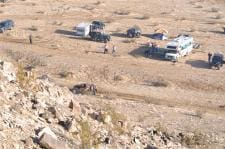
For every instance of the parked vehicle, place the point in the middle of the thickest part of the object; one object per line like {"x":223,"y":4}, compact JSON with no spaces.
{"x":134,"y":32}
{"x":84,"y":88}
{"x":95,"y":30}
{"x":99,"y":36}
{"x":6,"y":25}
{"x":217,"y":60}
{"x":179,"y":47}
{"x":159,"y":36}
{"x":156,"y":52}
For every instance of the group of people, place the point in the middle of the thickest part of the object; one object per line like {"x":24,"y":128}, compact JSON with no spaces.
{"x":106,"y":49}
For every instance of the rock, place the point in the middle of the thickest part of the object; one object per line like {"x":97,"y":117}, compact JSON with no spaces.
{"x":50,"y":142}
{"x":107,"y":119}
{"x":46,"y":130}
{"x":75,"y":107}
{"x":8,"y":71}
{"x":28,"y":143}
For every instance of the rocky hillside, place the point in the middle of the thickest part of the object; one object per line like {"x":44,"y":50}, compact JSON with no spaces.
{"x":36,"y":113}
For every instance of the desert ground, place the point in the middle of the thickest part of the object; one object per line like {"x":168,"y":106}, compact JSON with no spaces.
{"x":185,"y":96}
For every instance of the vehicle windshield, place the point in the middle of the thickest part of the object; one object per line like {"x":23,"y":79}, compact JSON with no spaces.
{"x":171,"y":47}
{"x":172,"y":51}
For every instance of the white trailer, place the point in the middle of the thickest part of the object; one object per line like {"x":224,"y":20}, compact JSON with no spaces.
{"x":179,"y":47}
{"x":83,"y":29}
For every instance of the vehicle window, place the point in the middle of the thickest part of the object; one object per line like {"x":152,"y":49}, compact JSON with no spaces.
{"x":171,"y":47}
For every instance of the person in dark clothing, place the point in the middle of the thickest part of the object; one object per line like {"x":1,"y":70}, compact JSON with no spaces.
{"x":31,"y":39}
{"x":209,"y":56}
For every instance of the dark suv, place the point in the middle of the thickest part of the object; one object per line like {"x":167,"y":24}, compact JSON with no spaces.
{"x":99,"y":36}
{"x":217,"y":61}
{"x":134,"y":32}
{"x":6,"y":25}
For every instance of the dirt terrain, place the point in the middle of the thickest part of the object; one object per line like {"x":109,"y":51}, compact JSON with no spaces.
{"x":186,"y":96}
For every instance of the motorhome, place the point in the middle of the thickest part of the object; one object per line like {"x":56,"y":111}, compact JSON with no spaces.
{"x":179,"y":47}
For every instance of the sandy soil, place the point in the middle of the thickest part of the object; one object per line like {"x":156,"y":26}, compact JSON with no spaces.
{"x":192,"y":96}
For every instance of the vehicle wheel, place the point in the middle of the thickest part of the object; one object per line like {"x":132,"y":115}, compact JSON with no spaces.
{"x":138,"y":35}
{"x":129,"y":35}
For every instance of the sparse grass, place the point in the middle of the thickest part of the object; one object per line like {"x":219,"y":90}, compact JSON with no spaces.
{"x":23,"y":79}
{"x":27,"y":58}
{"x":86,"y":138}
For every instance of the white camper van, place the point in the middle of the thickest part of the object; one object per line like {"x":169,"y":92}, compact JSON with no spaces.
{"x":179,"y":47}
{"x":83,"y":29}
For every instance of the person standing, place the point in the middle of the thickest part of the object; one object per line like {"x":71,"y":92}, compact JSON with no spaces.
{"x":106,"y":49}
{"x":31,"y":39}
{"x":114,"y":49}
{"x":209,"y":57}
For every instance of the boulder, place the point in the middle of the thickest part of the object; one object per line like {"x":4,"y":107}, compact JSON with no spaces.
{"x":8,"y":70}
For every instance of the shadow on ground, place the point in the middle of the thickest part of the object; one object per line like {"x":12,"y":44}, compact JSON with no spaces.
{"x":218,"y":32}
{"x":139,"y":51}
{"x":198,"y":64}
{"x":121,"y":35}
{"x":65,"y":32}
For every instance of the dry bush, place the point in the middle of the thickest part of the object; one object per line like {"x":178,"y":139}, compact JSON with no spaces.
{"x":200,"y":113}
{"x":214,"y":9}
{"x":117,"y":77}
{"x":66,"y":74}
{"x":161,"y":128}
{"x":193,"y":139}
{"x":15,"y":55}
{"x":87,"y":7}
{"x":33,"y":28}
{"x":159,"y":82}
{"x":219,"y":16}
{"x":104,"y":72}
{"x":116,"y":117}
{"x":122,"y":12}
{"x":98,"y":3}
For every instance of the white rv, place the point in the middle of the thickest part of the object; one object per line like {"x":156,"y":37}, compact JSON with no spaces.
{"x":83,"y":29}
{"x":179,"y":47}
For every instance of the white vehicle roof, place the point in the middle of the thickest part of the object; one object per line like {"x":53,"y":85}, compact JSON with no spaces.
{"x":83,"y":25}
{"x":180,"y":40}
